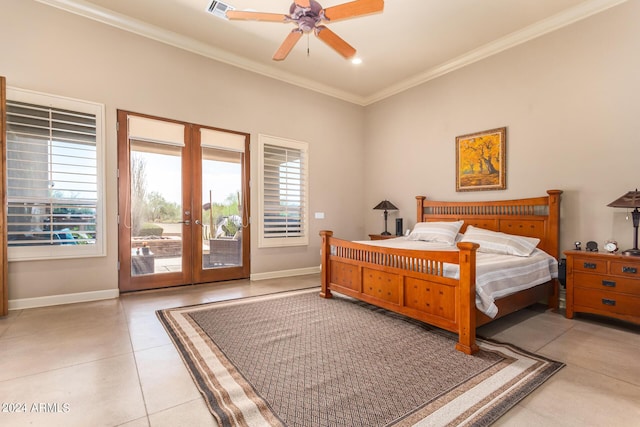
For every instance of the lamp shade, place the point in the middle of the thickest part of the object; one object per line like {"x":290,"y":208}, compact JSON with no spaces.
{"x":386,"y":206}
{"x":630,"y":200}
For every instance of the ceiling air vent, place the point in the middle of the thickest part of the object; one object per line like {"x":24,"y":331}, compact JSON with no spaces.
{"x":219,"y":9}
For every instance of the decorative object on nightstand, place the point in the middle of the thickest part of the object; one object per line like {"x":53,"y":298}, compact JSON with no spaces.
{"x":630,"y":200}
{"x":386,"y":206}
{"x":398,"y":226}
{"x":611,"y":246}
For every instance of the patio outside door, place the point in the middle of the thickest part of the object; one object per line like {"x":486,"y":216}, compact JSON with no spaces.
{"x":183,"y":203}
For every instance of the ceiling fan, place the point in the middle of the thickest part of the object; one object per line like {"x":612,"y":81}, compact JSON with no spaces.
{"x":309,"y":15}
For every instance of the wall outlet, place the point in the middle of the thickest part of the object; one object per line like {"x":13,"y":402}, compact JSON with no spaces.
{"x":319,"y":215}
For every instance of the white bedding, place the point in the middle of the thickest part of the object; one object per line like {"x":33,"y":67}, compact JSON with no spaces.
{"x":496,"y":275}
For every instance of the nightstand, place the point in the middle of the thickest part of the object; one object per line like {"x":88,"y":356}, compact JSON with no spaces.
{"x":381,"y":237}
{"x":604,"y":284}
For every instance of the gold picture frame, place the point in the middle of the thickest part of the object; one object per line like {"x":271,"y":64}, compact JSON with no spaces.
{"x":480,"y":160}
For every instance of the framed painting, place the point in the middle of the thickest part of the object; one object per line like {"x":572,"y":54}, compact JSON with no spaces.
{"x":480,"y":160}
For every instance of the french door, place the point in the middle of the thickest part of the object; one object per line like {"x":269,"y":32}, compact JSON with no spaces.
{"x":183,"y":194}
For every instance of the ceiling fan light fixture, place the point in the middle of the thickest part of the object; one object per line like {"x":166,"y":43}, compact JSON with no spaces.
{"x":308,"y":15}
{"x":356,"y":61}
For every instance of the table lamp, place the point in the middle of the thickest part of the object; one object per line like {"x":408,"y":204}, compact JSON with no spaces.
{"x":386,"y":206}
{"x":630,"y":200}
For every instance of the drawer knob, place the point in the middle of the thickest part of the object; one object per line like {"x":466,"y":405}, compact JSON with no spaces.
{"x":607,"y":301}
{"x":589,"y":265}
{"x":630,"y":270}
{"x":609,"y":283}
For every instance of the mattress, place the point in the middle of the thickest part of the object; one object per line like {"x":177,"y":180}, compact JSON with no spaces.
{"x":497,"y":276}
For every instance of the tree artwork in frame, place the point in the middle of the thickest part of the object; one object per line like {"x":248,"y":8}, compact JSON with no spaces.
{"x":480,"y":160}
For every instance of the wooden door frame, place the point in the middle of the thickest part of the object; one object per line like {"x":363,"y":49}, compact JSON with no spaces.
{"x":191,"y":162}
{"x":124,"y":233}
{"x":227,"y":273}
{"x":4,"y":286}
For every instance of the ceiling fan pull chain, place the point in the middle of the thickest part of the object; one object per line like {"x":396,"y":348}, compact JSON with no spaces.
{"x":308,"y":54}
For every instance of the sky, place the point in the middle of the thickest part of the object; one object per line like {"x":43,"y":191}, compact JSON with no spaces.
{"x":163,"y":175}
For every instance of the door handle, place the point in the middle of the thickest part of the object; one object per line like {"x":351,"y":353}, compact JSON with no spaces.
{"x":186,"y":222}
{"x":199,"y":223}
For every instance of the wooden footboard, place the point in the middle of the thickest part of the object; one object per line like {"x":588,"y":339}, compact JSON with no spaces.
{"x":409,"y":282}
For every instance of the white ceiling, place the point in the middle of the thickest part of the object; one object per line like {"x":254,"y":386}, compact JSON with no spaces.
{"x":410,"y":42}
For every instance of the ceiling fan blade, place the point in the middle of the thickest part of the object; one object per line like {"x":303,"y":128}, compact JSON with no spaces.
{"x":287,"y":45}
{"x":335,"y":42}
{"x":303,"y":3}
{"x":256,"y":16}
{"x":354,"y":8}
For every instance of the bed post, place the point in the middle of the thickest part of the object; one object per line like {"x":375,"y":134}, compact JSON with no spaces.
{"x":467,"y":293}
{"x":420,"y":207}
{"x":553,"y":234}
{"x":325,"y":274}
{"x":554,"y":222}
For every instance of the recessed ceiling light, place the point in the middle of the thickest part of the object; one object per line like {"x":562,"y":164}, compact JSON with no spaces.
{"x":356,"y":61}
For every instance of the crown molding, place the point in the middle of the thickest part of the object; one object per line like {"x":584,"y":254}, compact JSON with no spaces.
{"x":141,"y":28}
{"x":540,"y":28}
{"x":123,"y":22}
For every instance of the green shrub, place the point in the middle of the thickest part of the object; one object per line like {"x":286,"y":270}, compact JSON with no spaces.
{"x":229,"y":228}
{"x":151,"y":230}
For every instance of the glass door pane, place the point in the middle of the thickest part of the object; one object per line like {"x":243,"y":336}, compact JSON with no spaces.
{"x":156,"y":208}
{"x":222,"y":208}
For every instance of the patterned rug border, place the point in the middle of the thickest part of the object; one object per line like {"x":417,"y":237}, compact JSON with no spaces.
{"x":232,"y":400}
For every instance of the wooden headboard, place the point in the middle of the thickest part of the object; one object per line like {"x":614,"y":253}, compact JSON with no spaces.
{"x":533,"y":217}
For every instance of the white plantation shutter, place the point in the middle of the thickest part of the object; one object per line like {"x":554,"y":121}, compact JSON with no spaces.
{"x":53,"y":176}
{"x":284,"y":192}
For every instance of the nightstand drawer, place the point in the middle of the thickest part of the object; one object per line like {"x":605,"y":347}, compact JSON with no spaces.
{"x":626,"y":269}
{"x":590,"y":264}
{"x":607,"y":302}
{"x":607,"y":283}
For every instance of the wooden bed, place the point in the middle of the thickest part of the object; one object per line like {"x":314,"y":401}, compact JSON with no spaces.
{"x":410,"y":282}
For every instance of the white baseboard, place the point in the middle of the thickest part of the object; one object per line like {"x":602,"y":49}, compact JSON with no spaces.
{"x":285,"y":273}
{"x":19,"y":304}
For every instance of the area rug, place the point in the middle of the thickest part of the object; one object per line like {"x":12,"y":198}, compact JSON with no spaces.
{"x":295,"y":359}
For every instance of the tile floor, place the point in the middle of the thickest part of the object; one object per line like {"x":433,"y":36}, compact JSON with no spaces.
{"x":110,"y":363}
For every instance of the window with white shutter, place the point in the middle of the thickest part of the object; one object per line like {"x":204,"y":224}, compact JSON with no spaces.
{"x":284,"y":192}
{"x":54,"y":177}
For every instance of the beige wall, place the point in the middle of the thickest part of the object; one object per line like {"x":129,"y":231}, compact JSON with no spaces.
{"x":569,"y":100}
{"x":571,"y":103}
{"x":48,"y":50}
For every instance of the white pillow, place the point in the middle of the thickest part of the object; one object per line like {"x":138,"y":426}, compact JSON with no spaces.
{"x":437,"y":231}
{"x":500,"y":243}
